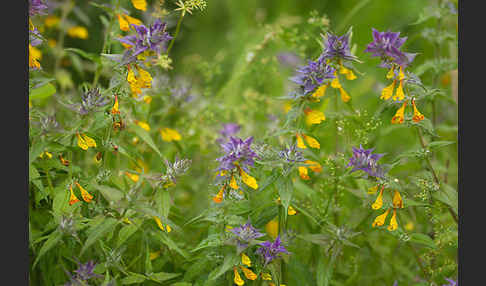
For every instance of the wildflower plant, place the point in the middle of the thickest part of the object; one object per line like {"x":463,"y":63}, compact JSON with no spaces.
{"x":165,"y":149}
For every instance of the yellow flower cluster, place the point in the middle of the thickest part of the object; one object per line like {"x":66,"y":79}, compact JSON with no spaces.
{"x":313,"y":165}
{"x":159,"y":224}
{"x":249,"y":274}
{"x":397,"y":204}
{"x":87,"y":197}
{"x":138,"y":78}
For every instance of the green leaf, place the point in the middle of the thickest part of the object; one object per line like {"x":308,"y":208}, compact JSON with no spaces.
{"x":325,"y":269}
{"x":439,"y":144}
{"x":422,"y":239}
{"x":133,"y":278}
{"x":230,"y":260}
{"x":110,"y":194}
{"x":92,"y":57}
{"x":142,"y":133}
{"x":163,"y":276}
{"x":162,"y":200}
{"x":96,"y":232}
{"x":125,"y":233}
{"x":165,"y":239}
{"x":52,"y":241}
{"x":285,"y":188}
{"x":447,"y":195}
{"x":43,"y":91}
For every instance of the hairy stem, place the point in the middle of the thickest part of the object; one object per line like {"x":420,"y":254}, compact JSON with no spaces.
{"x":178,"y":27}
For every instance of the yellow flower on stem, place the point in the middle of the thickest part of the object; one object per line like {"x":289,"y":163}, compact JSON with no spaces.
{"x":391,"y":73}
{"x":373,"y":190}
{"x":45,"y":153}
{"x":142,"y":79}
{"x":248,"y":273}
{"x":72,"y":199}
{"x":399,"y":115}
{"x":154,"y":255}
{"x":159,"y":223}
{"x":335,"y":81}
{"x":347,"y":72}
{"x":126,"y":21}
{"x":300,"y":142}
{"x":245,"y":260}
{"x":291,"y":211}
{"x":344,"y":95}
{"x":312,"y":142}
{"x":313,"y":116}
{"x":387,"y":92}
{"x":84,"y":141}
{"x":397,"y":200}
{"x":272,"y":228}
{"x":78,"y":32}
{"x":320,"y":92}
{"x":417,"y":116}
{"x":115,"y":109}
{"x":233,"y":183}
{"x":147,"y":99}
{"x":393,"y":222}
{"x":219,"y":197}
{"x":399,"y":95}
{"x":238,"y":281}
{"x":51,"y":21}
{"x":314,"y":166}
{"x":379,"y":201}
{"x":169,"y":135}
{"x":287,"y":107}
{"x":87,"y":197}
{"x":143,"y":125}
{"x":401,"y":75}
{"x":133,"y":177}
{"x":380,"y":220}
{"x":303,"y":173}
{"x":63,"y":161}
{"x":248,"y":180}
{"x":34,"y":57}
{"x":266,"y":276}
{"x":140,"y":4}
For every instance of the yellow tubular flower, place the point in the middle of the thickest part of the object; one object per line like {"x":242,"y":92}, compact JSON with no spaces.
{"x":51,"y":21}
{"x":115,"y":109}
{"x":63,"y":161}
{"x":344,"y":95}
{"x":314,"y":166}
{"x":87,"y":197}
{"x":373,"y":190}
{"x":266,"y":276}
{"x":169,"y":135}
{"x":379,"y":201}
{"x":401,"y":75}
{"x":133,"y":177}
{"x":219,"y":197}
{"x":154,"y":255}
{"x":82,"y":143}
{"x":380,"y":220}
{"x":399,"y":115}
{"x":313,"y":143}
{"x":313,"y":116}
{"x":248,"y":273}
{"x":45,"y":153}
{"x":72,"y":199}
{"x":248,"y":180}
{"x":125,"y":21}
{"x":238,"y":281}
{"x":90,"y":142}
{"x":397,"y":200}
{"x":143,"y":125}
{"x":400,"y":95}
{"x":391,"y":73}
{"x":291,"y":211}
{"x":272,"y":228}
{"x":303,"y":173}
{"x":387,"y":92}
{"x":350,"y":75}
{"x":147,"y":99}
{"x":159,"y":223}
{"x":300,"y":142}
{"x":320,"y":92}
{"x":78,"y":32}
{"x":140,"y":4}
{"x":287,"y":107}
{"x":169,"y":229}
{"x":417,"y":116}
{"x":245,"y":260}
{"x":335,"y":82}
{"x":34,"y":57}
{"x":393,"y":222}
{"x":143,"y":80}
{"x":233,"y":183}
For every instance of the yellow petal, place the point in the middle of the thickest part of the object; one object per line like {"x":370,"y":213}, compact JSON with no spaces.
{"x":378,"y":202}
{"x":300,"y":142}
{"x":233,"y":183}
{"x":169,"y":135}
{"x":132,"y":20}
{"x":123,"y":23}
{"x":87,"y":197}
{"x":303,"y":173}
{"x":400,"y":95}
{"x":272,"y":228}
{"x":248,"y":180}
{"x":159,"y":223}
{"x":169,"y":229}
{"x":89,"y":141}
{"x":391,"y":73}
{"x":397,"y":200}
{"x":401,"y":75}
{"x":350,"y":75}
{"x":147,"y":99}
{"x":314,"y":116}
{"x":266,"y":276}
{"x":126,"y":220}
{"x":51,"y":21}
{"x":291,"y":211}
{"x":248,"y":273}
{"x":133,"y":177}
{"x":82,"y":143}
{"x":219,"y":197}
{"x":393,"y":222}
{"x":417,"y":116}
{"x":34,"y":56}
{"x":344,"y":95}
{"x":335,"y":82}
{"x":399,"y":115}
{"x":314,"y":166}
{"x":115,"y":109}
{"x":387,"y":92}
{"x":72,"y":199}
{"x":144,"y":125}
{"x":154,"y":255}
{"x":140,"y":4}
{"x":373,"y":190}
{"x":245,"y":260}
{"x":312,"y":142}
{"x":320,"y":92}
{"x":380,"y":220}
{"x":238,"y":281}
{"x":78,"y":32}
{"x":287,"y":107}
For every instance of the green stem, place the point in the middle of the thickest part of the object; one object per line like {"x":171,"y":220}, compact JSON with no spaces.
{"x":66,"y":9}
{"x":419,"y":262}
{"x":336,"y":121}
{"x":178,"y":27}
